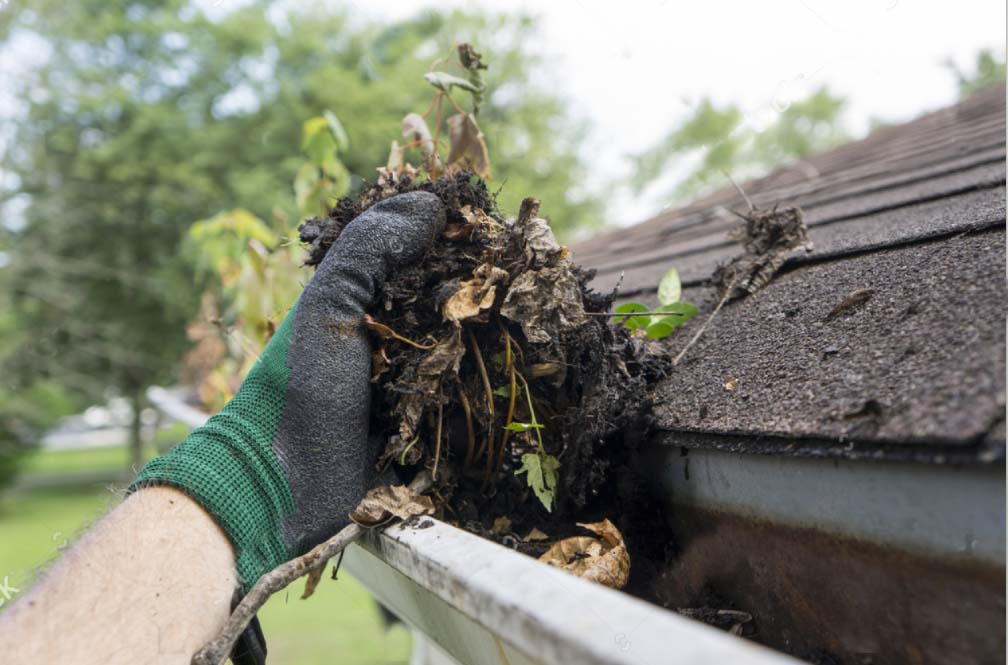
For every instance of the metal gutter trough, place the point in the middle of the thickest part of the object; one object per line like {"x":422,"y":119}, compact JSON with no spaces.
{"x":479,"y":603}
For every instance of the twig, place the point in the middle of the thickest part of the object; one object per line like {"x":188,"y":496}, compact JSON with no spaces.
{"x":453,"y":103}
{"x":532,"y":415}
{"x":724,"y":299}
{"x":219,"y":648}
{"x":437,"y":131}
{"x":512,"y":372}
{"x":471,"y":441}
{"x":652,"y":312}
{"x":383,"y":330}
{"x":740,"y":190}
{"x":437,"y":435}
{"x":339,"y":562}
{"x":482,"y":371}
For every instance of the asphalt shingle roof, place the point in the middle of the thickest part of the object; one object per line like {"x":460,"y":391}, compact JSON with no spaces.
{"x":914,"y":213}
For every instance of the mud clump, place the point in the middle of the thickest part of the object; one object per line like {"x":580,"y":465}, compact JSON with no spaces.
{"x":492,"y":369}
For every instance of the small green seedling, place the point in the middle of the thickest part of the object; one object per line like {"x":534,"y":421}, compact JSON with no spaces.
{"x":540,"y":467}
{"x":660,"y":322}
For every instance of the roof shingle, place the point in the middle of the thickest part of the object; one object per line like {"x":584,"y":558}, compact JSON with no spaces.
{"x":916,"y":215}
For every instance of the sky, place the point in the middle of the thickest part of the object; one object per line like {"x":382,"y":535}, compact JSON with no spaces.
{"x":634,"y":68}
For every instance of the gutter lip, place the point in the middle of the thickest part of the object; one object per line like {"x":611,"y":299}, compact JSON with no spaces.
{"x":545,"y":614}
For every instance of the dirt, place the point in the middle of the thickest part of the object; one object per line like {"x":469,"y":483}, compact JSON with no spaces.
{"x":443,"y":388}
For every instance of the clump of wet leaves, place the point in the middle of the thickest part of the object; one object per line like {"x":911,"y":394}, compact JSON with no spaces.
{"x":494,"y":366}
{"x":489,"y":368}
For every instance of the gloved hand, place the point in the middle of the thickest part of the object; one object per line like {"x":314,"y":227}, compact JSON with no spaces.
{"x":286,"y":460}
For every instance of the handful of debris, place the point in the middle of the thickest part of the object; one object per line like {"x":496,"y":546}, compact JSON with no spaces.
{"x":491,"y":366}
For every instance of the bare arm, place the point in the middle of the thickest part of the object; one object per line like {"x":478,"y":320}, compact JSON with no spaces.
{"x":150,"y":583}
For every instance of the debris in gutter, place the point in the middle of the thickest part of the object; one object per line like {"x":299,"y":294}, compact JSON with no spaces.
{"x":491,"y":373}
{"x":388,"y":502}
{"x":735,"y":622}
{"x":603,"y":559}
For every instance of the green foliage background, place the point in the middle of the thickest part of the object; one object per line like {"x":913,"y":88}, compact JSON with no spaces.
{"x":142,"y":117}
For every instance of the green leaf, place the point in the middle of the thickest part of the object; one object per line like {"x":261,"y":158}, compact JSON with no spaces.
{"x":306,"y":188}
{"x":542,"y":476}
{"x":445,"y":82}
{"x":503,"y":391}
{"x":669,"y":288}
{"x":663,"y":326}
{"x":522,"y":427}
{"x":311,"y":128}
{"x":336,"y":128}
{"x":685,"y":310}
{"x":632,"y":322}
{"x":660,"y":329}
{"x":321,"y":149}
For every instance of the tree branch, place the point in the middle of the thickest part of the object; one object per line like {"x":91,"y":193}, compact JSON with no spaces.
{"x":219,"y":648}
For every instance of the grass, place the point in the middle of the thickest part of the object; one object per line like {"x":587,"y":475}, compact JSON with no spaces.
{"x":111,"y":460}
{"x":340,"y":623}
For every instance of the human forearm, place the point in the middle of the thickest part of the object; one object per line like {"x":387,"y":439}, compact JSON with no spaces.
{"x":151,"y":582}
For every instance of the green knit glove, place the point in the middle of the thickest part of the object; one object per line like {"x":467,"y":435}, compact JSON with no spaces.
{"x":228,"y":466}
{"x":286,"y":460}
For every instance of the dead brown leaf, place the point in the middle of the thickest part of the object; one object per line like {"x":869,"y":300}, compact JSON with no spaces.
{"x":603,"y":559}
{"x":445,"y":357}
{"x":380,"y":363}
{"x":414,"y":128}
{"x":478,"y":218}
{"x":388,"y":502}
{"x":458,"y":231}
{"x":534,"y":535}
{"x":501,"y":526}
{"x":474,"y":295}
{"x":545,"y":303}
{"x":468,"y":149}
{"x":769,"y":237}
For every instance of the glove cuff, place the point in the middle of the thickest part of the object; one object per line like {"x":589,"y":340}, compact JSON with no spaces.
{"x":228,"y":466}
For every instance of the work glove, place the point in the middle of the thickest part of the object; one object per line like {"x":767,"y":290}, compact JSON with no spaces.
{"x":288,"y":458}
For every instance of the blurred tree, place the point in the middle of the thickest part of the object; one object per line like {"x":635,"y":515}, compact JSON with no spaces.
{"x":988,"y":69}
{"x":25,"y":410}
{"x":139,"y":117}
{"x":723,"y":142}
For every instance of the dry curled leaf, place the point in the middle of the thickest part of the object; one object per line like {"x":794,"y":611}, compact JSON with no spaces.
{"x":387,"y":502}
{"x":545,"y":303}
{"x":603,"y":559}
{"x":541,"y":246}
{"x":769,"y":237}
{"x":458,"y":231}
{"x":380,"y":363}
{"x":468,"y":149}
{"x":501,"y":526}
{"x":414,"y":128}
{"x":476,"y":294}
{"x":423,"y":390}
{"x":535,"y":535}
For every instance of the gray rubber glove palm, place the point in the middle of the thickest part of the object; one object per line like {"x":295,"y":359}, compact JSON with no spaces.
{"x":286,"y":460}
